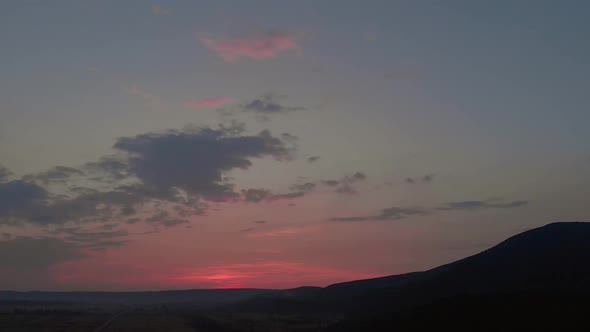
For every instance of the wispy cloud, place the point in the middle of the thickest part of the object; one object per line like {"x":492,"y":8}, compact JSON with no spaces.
{"x":209,"y":102}
{"x":346,"y":184}
{"x":268,"y":104}
{"x":428,"y":178}
{"x":258,"y":47}
{"x":397,"y":213}
{"x":256,"y":195}
{"x":287,"y":196}
{"x":493,"y":203}
{"x":392,"y":213}
{"x":55,"y":174}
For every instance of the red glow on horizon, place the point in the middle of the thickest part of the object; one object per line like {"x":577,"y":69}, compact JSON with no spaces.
{"x":271,"y":275}
{"x":277,"y":274}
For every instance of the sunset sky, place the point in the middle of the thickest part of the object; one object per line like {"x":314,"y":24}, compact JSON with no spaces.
{"x":150,"y":145}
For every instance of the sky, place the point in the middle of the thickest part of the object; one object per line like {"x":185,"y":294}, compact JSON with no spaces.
{"x":149,"y":145}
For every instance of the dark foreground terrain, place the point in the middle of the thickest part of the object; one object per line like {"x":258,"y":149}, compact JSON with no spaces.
{"x":538,"y":280}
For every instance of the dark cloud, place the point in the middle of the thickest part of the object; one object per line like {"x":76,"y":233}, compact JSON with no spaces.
{"x":27,"y":201}
{"x":289,"y":137}
{"x":308,"y":186}
{"x":397,"y":213}
{"x":286,"y":196}
{"x":83,"y":190}
{"x":358,"y":176}
{"x":90,"y":237}
{"x":392,"y":213}
{"x":108,"y":168}
{"x":259,"y":195}
{"x":345,"y":189}
{"x":174,"y":222}
{"x":179,"y":170}
{"x":164,"y":218}
{"x":196,"y":161}
{"x":428,"y":178}
{"x":88,"y":207}
{"x":348,"y":179}
{"x":346,"y":184}
{"x":267,"y":105}
{"x":18,"y":198}
{"x":313,"y":159}
{"x":255,"y":195}
{"x":260,"y":221}
{"x":4,"y":174}
{"x":56,"y":174}
{"x":479,"y":205}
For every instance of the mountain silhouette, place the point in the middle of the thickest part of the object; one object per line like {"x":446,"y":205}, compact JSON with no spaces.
{"x":537,"y":280}
{"x":553,"y":258}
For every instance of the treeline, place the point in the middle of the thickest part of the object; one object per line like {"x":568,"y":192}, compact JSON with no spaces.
{"x":47,"y":311}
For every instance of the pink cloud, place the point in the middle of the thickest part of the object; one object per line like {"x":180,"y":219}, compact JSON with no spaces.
{"x":209,"y":102}
{"x":259,"y":47}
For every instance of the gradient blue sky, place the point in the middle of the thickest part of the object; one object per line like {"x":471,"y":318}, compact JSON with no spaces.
{"x":468,"y":117}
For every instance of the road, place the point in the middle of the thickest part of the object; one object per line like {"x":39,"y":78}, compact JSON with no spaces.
{"x":106,"y":324}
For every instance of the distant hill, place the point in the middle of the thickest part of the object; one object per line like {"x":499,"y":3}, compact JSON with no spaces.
{"x":538,"y":280}
{"x":358,"y":287}
{"x":206,"y":296}
{"x":553,"y":258}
